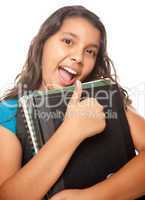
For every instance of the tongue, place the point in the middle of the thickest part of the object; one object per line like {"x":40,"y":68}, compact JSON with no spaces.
{"x":65,"y":75}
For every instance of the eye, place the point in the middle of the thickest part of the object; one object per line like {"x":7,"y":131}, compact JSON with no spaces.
{"x":91,"y":52}
{"x":67,"y":41}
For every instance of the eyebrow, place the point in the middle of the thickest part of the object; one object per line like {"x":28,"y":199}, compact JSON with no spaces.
{"x":74,"y":35}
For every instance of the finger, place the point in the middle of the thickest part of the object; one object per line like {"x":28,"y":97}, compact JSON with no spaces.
{"x":91,"y":101}
{"x":75,"y":98}
{"x":56,"y":197}
{"x":99,"y":106}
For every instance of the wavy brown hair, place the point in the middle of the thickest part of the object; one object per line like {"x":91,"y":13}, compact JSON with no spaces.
{"x":31,"y":74}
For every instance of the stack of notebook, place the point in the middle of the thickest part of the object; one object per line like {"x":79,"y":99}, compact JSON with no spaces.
{"x":42,"y":112}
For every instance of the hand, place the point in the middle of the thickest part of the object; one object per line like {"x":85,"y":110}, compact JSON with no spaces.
{"x":72,"y":194}
{"x":86,"y":117}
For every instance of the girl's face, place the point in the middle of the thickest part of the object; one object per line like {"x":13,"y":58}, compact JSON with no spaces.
{"x":70,"y":53}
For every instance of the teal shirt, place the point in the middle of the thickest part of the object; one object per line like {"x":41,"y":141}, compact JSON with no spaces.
{"x":8,"y":109}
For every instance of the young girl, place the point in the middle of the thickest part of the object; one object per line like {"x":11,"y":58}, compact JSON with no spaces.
{"x":72,"y":39}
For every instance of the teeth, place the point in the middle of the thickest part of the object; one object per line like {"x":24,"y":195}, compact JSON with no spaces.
{"x":69,"y":70}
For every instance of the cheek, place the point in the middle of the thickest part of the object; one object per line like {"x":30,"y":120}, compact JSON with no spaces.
{"x":86,"y":71}
{"x":88,"y":68}
{"x":52,"y":57}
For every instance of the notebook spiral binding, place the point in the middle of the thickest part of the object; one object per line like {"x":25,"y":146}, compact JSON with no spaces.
{"x":29,"y":127}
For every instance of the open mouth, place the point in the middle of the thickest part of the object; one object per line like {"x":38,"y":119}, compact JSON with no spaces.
{"x":66,"y":75}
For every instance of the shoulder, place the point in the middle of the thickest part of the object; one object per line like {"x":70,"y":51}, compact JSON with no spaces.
{"x":137,"y":127}
{"x":8,"y":109}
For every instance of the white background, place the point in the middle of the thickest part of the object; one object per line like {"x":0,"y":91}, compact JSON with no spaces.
{"x":124,"y":21}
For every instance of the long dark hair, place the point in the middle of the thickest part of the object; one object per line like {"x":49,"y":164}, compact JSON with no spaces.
{"x":31,"y":74}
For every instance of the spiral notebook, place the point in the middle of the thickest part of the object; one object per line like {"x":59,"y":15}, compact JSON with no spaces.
{"x":32,"y":111}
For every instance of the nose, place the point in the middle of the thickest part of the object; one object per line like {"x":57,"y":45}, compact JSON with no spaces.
{"x":77,"y":57}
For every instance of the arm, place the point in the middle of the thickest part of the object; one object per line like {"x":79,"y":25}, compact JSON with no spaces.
{"x":129,"y":182}
{"x":10,"y":154}
{"x":41,"y":172}
{"x":45,"y":168}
